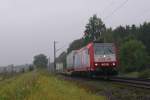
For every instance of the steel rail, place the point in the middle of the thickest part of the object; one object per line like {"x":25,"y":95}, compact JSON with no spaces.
{"x":135,"y":82}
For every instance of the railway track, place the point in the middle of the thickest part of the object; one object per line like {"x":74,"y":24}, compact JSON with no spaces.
{"x":135,"y":82}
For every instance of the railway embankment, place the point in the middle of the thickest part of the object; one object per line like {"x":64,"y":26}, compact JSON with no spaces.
{"x":110,"y":89}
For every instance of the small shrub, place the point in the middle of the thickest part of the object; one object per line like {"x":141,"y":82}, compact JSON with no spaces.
{"x":23,"y":70}
{"x":31,"y":68}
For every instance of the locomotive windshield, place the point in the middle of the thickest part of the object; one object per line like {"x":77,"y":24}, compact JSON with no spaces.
{"x":101,"y":49}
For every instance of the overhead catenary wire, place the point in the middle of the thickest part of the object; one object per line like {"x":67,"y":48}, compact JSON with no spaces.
{"x":147,"y":11}
{"x":116,"y":9}
{"x":108,"y":6}
{"x":61,"y":48}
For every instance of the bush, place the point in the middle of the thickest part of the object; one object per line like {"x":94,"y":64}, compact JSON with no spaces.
{"x":31,"y":68}
{"x":40,"y":61}
{"x":23,"y":70}
{"x":133,"y":56}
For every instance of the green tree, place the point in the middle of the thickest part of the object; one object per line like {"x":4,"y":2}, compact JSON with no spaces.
{"x":76,"y":44}
{"x":40,"y":61}
{"x":133,"y":56}
{"x":118,"y":34}
{"x":108,"y":36}
{"x":94,"y":29}
{"x":144,"y":35}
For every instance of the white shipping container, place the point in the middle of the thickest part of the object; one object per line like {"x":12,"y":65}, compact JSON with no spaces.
{"x":70,"y":59}
{"x":59,"y":66}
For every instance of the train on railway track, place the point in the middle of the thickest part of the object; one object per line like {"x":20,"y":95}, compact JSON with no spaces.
{"x":94,"y":59}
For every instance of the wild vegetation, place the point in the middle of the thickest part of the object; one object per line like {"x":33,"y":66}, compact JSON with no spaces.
{"x":39,"y":85}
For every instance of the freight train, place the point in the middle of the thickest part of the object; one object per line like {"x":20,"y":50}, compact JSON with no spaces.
{"x":95,"y":59}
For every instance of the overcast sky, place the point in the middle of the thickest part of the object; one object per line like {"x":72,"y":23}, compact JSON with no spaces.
{"x":28,"y":27}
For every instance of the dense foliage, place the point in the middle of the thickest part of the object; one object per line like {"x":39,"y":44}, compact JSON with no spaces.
{"x":133,"y":56}
{"x":76,"y":44}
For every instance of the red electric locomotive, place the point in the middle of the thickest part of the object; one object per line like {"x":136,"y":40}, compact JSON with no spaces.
{"x":95,"y":59}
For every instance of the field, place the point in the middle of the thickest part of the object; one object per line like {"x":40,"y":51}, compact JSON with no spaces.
{"x":39,"y":85}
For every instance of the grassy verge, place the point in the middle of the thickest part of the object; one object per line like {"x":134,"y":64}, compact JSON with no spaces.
{"x":42,"y":86}
{"x":132,"y":74}
{"x":141,"y":74}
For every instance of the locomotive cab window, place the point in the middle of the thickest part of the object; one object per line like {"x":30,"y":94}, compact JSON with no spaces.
{"x":101,"y":49}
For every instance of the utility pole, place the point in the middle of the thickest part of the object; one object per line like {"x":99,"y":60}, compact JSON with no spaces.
{"x":54,"y":55}
{"x":48,"y":66}
{"x":55,"y":51}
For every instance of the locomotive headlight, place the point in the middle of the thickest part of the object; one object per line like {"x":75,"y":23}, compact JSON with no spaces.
{"x":113,"y":64}
{"x":96,"y":64}
{"x":104,"y":55}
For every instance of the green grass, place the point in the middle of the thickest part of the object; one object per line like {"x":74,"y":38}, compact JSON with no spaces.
{"x":141,"y":74}
{"x":42,"y":86}
{"x":132,"y":74}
